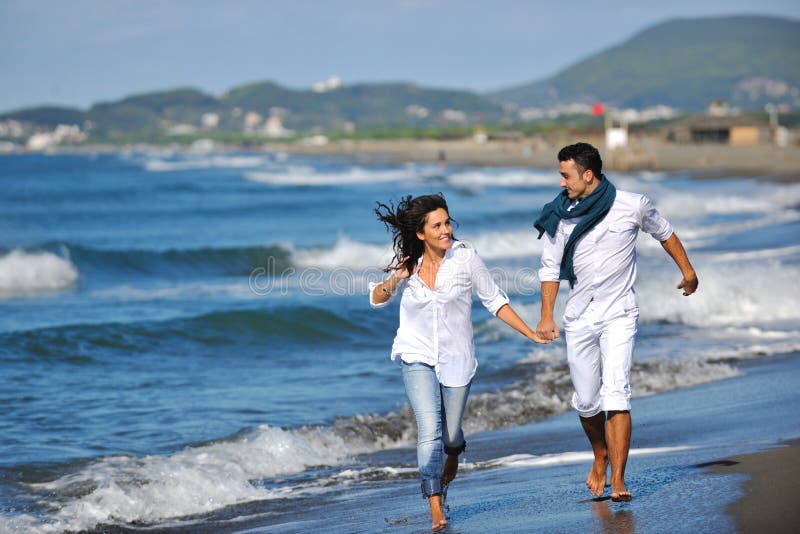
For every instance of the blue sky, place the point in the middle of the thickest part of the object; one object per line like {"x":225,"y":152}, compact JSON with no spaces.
{"x":77,"y":52}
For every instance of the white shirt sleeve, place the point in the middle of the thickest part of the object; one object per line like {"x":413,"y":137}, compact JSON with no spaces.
{"x":652,"y":222}
{"x":373,"y":285}
{"x":552,"y":252}
{"x":492,"y":297}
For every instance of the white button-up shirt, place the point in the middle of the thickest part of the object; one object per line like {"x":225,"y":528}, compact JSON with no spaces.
{"x":436,"y":326}
{"x":605,"y":257}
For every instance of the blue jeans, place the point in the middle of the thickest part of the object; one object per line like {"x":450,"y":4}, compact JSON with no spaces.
{"x":436,"y":407}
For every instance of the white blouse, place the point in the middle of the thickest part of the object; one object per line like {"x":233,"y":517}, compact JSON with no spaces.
{"x":436,"y":326}
{"x":605,"y":258}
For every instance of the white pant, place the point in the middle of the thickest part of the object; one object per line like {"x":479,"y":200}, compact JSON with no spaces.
{"x":599,"y":354}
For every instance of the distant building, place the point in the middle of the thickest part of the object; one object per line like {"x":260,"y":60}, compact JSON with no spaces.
{"x":331,"y":84}
{"x":454,"y":115}
{"x":724,"y":129}
{"x":273,"y":127}
{"x":209,"y":121}
{"x":720,"y":124}
{"x":417,"y":111}
{"x":11,"y":128}
{"x":180,"y":129}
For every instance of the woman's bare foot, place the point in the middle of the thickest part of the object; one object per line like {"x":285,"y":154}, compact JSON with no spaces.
{"x":596,"y":481}
{"x":438,"y":521}
{"x":450,"y":469}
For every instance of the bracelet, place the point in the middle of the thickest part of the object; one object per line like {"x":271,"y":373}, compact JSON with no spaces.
{"x":383,"y":287}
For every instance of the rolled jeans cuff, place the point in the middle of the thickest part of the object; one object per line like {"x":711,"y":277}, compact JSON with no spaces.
{"x":455,"y":450}
{"x":431,"y":487}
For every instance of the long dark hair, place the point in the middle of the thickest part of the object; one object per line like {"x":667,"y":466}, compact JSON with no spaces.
{"x":404,"y":221}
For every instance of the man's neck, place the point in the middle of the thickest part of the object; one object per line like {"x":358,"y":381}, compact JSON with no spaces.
{"x":590,"y":188}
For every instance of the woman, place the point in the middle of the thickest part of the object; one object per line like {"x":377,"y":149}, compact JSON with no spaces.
{"x":436,"y":275}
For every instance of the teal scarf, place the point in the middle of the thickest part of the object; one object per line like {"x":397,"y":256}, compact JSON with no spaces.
{"x":593,"y":209}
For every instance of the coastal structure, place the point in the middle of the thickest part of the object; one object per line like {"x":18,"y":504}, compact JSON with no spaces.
{"x":731,"y":130}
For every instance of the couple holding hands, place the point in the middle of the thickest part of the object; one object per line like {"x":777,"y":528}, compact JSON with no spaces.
{"x":590,"y":232}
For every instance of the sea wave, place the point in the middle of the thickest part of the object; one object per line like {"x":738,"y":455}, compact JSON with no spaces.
{"x":267,"y":462}
{"x":170,"y":263}
{"x":303,"y":324}
{"x":349,"y":253}
{"x":504,"y":177}
{"x":27,"y":272}
{"x":308,"y":176}
{"x":756,"y":198}
{"x":741,"y":293}
{"x":204,"y":161}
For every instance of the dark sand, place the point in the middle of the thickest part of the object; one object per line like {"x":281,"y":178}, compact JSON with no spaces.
{"x":772,"y":500}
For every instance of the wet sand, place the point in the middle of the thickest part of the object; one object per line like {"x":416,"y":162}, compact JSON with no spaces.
{"x":771,"y":500}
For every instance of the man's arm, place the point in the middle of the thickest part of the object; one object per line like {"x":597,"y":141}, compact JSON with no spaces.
{"x":547,"y":326}
{"x":675,"y":249}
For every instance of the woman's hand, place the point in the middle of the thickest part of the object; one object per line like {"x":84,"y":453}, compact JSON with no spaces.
{"x":536,"y":338}
{"x":547,"y":329}
{"x":400,"y":271}
{"x":507,"y":314}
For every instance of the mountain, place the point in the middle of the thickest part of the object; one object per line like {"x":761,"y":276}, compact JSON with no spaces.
{"x":363,"y":106}
{"x":683,"y":63}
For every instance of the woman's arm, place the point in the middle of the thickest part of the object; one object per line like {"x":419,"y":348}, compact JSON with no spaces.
{"x":510,"y":317}
{"x":383,"y":292}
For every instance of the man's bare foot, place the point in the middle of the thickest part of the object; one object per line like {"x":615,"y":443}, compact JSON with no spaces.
{"x":438,"y":521}
{"x":596,"y":481}
{"x":619,"y":493}
{"x":450,"y":468}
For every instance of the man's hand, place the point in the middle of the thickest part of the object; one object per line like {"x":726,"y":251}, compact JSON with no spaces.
{"x":547,"y":329}
{"x":688,"y":284}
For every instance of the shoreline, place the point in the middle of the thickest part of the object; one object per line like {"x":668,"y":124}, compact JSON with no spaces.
{"x":703,"y":161}
{"x":643,"y":154}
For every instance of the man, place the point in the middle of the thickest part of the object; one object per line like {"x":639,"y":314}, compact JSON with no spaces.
{"x":591,"y":233}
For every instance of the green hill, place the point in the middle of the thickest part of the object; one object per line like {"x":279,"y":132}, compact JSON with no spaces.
{"x":363,"y":106}
{"x":684,"y":63}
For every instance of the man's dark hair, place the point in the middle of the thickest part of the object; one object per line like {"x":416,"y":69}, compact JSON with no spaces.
{"x":585,"y":157}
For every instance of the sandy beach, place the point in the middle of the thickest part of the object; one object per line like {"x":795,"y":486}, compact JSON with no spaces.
{"x":770,"y":501}
{"x":643,"y":153}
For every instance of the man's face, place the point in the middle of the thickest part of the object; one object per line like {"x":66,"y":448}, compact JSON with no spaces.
{"x":578,"y":184}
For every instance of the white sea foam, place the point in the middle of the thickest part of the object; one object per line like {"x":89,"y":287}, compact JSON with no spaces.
{"x":506,"y":244}
{"x":737,"y":293}
{"x":347,"y":253}
{"x":214,"y":161}
{"x":756,"y":199}
{"x":129,"y":293}
{"x":531,"y":460}
{"x":32,"y":272}
{"x":506,"y":177}
{"x":124,"y":489}
{"x":308,"y":176}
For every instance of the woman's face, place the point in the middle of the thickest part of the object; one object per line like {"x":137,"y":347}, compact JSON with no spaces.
{"x":437,"y":232}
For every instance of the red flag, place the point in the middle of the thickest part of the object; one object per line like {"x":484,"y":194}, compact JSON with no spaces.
{"x":598,"y":109}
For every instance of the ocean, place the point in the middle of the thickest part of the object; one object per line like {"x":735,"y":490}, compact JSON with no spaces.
{"x":186,"y":340}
